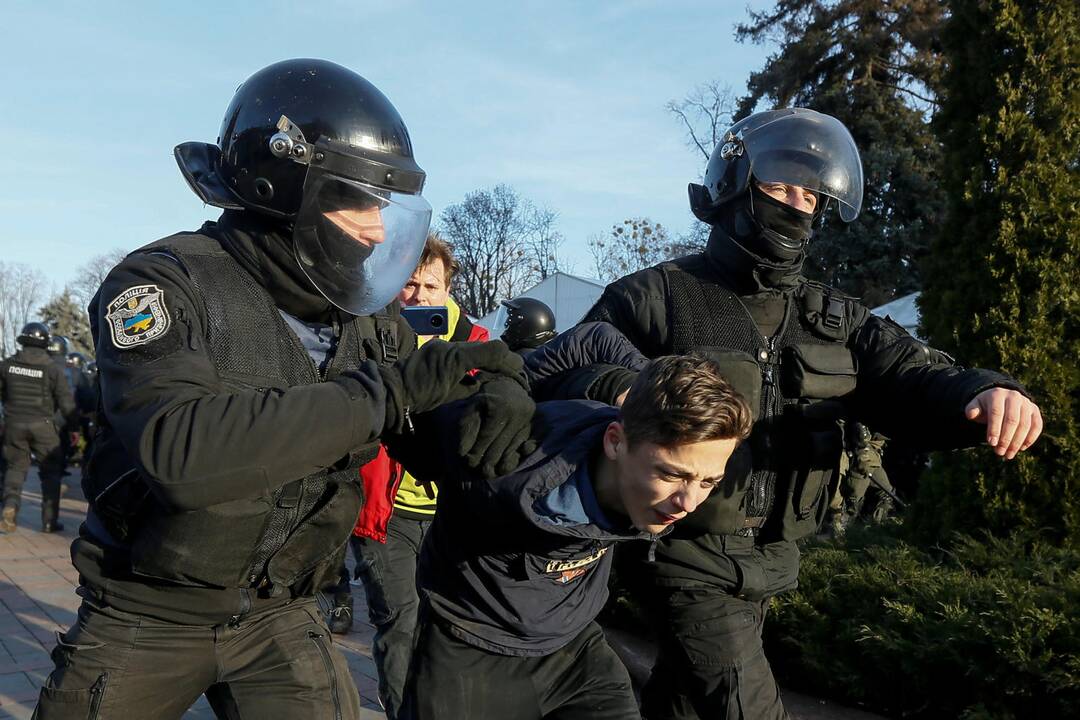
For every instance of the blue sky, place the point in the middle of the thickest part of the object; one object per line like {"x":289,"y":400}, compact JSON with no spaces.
{"x":562,"y":100}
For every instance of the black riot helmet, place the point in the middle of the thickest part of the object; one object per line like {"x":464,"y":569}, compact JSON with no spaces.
{"x":34,"y":334}
{"x":795,"y":146}
{"x":790,"y":146}
{"x":59,"y":346}
{"x":76,"y":360}
{"x":529,"y":323}
{"x":318,"y":149}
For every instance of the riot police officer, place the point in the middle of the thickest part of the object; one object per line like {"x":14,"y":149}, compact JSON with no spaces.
{"x":804,"y":355}
{"x":247,"y":370}
{"x":529,"y":324}
{"x":34,"y":390}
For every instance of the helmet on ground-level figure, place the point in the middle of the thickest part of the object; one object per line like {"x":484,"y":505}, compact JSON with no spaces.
{"x":529,"y":323}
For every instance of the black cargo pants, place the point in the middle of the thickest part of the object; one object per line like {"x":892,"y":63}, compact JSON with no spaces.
{"x":712,"y":663}
{"x":275,"y":664}
{"x":39,"y":437}
{"x":450,"y":678}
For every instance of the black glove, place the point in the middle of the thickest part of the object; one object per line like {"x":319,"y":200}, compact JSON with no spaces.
{"x":437,"y":373}
{"x":495,"y":429}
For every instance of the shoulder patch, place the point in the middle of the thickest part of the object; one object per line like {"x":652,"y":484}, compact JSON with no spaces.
{"x":137,"y":316}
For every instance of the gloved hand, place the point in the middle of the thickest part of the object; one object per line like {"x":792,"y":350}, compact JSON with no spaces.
{"x":437,"y":373}
{"x":495,"y":430}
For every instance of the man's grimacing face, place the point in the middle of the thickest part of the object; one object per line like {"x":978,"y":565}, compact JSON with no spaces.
{"x":657,"y":485}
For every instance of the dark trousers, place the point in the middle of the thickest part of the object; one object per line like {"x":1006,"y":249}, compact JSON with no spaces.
{"x":388,"y":572}
{"x":712,"y":664}
{"x":451,"y":679}
{"x":277,"y":663}
{"x":39,"y":437}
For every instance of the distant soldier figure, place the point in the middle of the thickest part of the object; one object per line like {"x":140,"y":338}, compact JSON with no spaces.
{"x":865,"y":488}
{"x":34,"y":390}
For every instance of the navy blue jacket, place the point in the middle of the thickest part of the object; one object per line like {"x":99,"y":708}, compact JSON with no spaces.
{"x":499,"y":570}
{"x":612,"y":359}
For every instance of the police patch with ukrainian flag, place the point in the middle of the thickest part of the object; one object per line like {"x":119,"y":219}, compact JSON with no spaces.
{"x":137,"y":316}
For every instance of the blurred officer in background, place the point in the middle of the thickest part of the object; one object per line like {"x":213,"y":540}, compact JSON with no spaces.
{"x":34,"y":391}
{"x":529,"y":324}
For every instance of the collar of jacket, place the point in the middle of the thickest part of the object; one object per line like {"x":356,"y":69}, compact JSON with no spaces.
{"x":264,"y":249}
{"x":747,"y":273}
{"x":575,"y":431}
{"x":33,"y":356}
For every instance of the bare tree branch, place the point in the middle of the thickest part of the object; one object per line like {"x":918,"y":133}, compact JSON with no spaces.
{"x":706,"y":112}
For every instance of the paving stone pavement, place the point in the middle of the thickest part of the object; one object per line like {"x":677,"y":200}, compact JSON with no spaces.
{"x":37,"y":598}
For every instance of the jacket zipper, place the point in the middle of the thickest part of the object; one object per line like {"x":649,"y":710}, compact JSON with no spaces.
{"x":770,"y":398}
{"x":328,"y":663}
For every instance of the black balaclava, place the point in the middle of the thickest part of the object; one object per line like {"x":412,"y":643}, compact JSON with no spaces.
{"x":263,"y":247}
{"x":760,"y":242}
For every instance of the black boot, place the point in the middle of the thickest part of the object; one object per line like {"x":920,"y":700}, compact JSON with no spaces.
{"x":340,"y":621}
{"x":50,"y":511}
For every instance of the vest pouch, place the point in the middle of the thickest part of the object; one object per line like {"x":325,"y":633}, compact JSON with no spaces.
{"x":817,"y":371}
{"x":114,"y":488}
{"x":806,"y":499}
{"x":315,"y":546}
{"x":741,"y":370}
{"x":185,"y":547}
{"x":724,"y":511}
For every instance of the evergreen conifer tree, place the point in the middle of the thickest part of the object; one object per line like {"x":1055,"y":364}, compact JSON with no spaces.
{"x":1002,"y":282}
{"x":64,"y":317}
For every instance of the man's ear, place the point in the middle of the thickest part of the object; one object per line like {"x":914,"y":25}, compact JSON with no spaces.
{"x":614,"y":440}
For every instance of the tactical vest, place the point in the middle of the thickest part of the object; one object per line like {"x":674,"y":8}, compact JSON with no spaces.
{"x":791,"y":381}
{"x":27,"y":388}
{"x":294,"y":536}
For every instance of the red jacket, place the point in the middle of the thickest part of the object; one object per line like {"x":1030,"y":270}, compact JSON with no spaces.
{"x":381,"y":476}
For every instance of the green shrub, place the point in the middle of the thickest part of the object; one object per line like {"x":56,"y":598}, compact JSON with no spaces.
{"x":988,"y":629}
{"x":1002,"y":279}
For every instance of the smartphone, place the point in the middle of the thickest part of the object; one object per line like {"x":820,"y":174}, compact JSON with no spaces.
{"x":426,"y":320}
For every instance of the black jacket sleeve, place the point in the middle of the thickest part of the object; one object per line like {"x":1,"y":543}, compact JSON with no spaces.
{"x":608,"y":360}
{"x":198,"y":442}
{"x":908,"y":390}
{"x":636,"y":307}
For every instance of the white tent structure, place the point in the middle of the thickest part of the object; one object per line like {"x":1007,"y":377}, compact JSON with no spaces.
{"x":903,"y":311}
{"x":568,"y":296}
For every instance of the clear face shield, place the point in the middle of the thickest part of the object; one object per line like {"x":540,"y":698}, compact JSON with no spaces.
{"x":813,"y":151}
{"x":357,"y":243}
{"x":356,"y":237}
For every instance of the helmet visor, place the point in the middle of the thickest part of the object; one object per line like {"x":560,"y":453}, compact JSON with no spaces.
{"x":357,"y":243}
{"x":813,"y":151}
